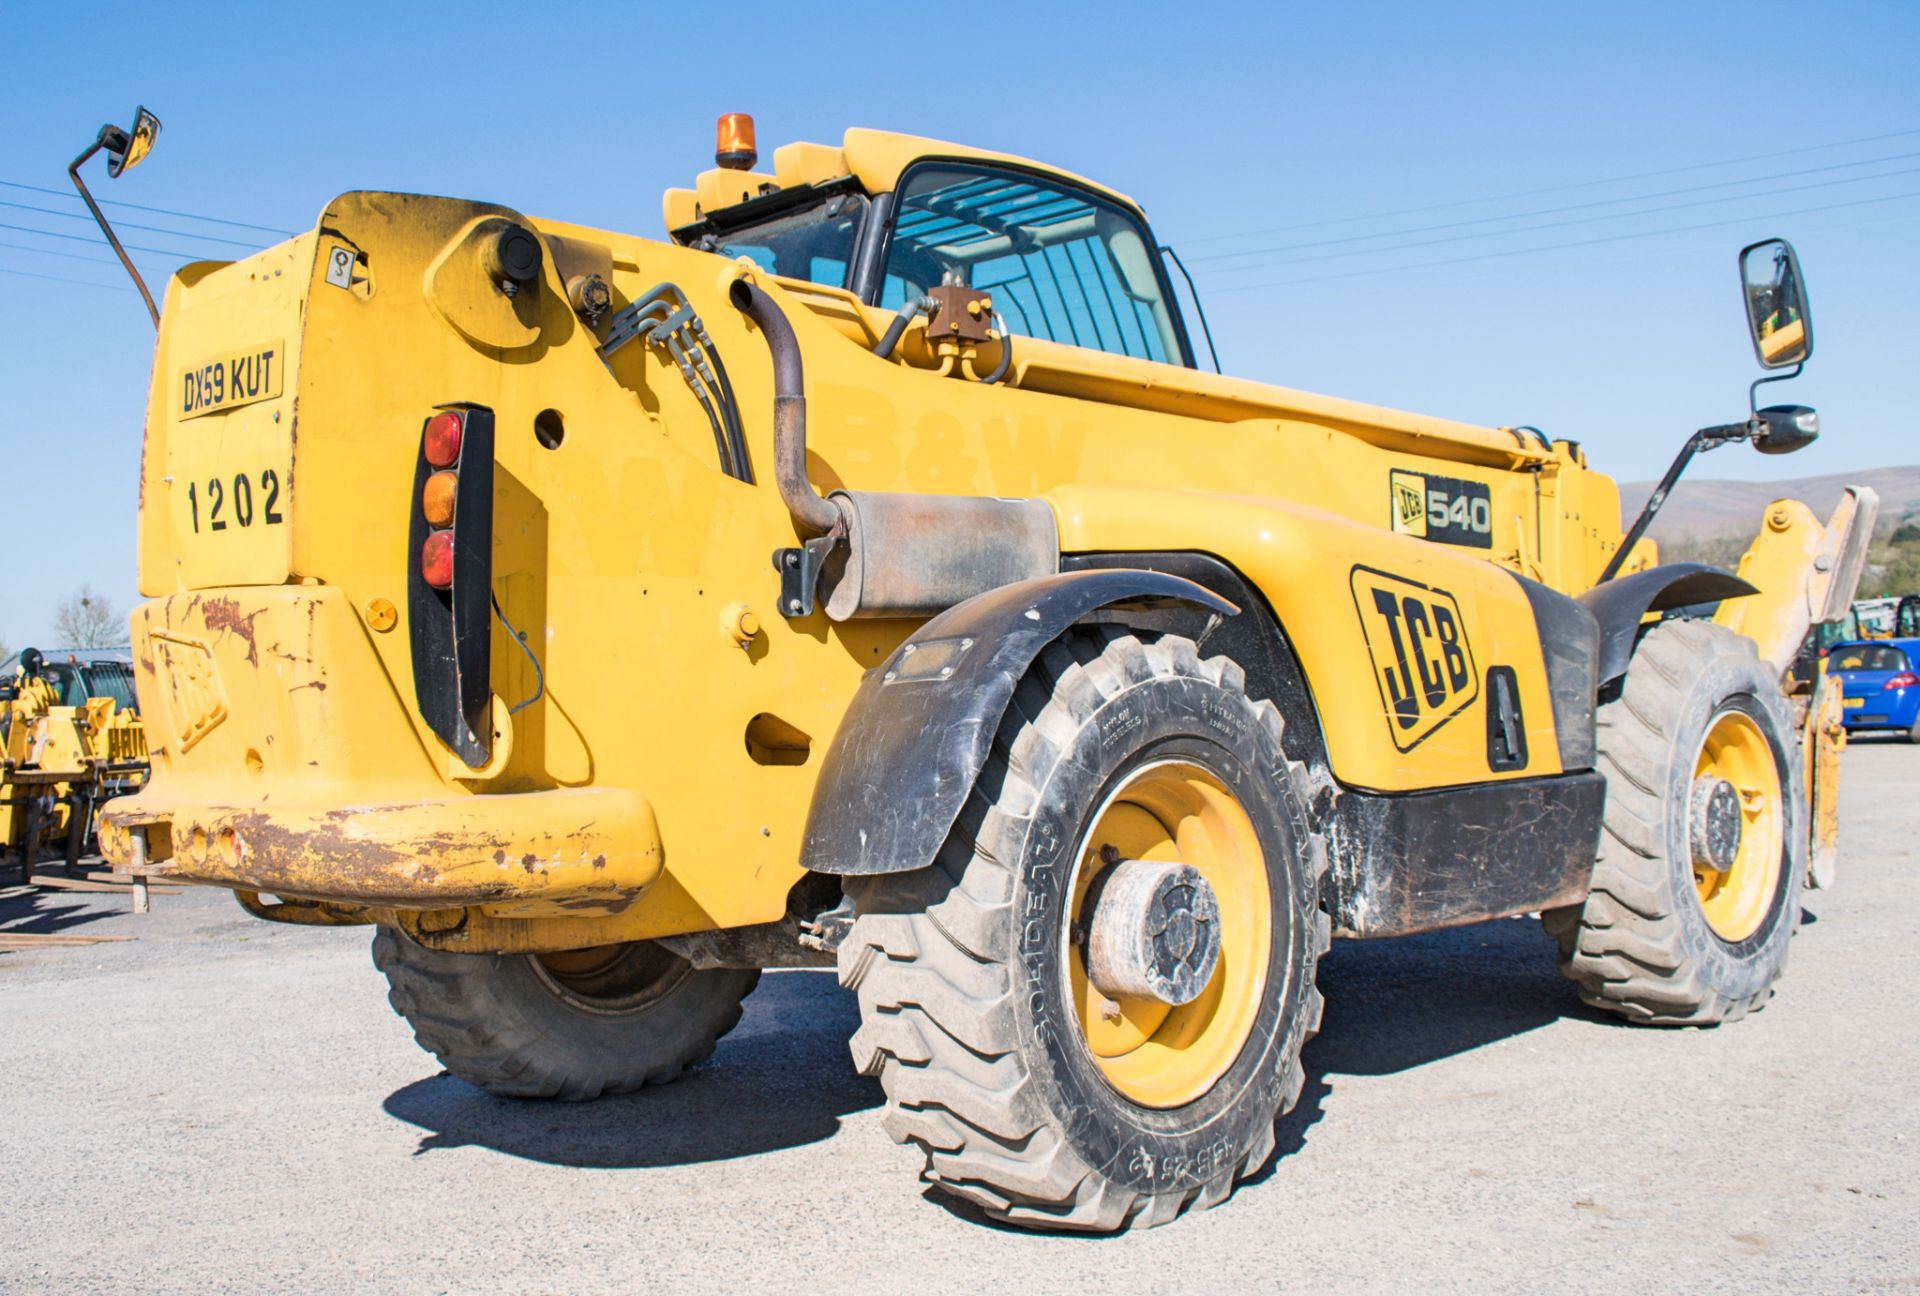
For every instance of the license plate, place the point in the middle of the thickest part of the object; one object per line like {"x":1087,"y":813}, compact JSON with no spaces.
{"x":1856,"y":702}
{"x":231,"y":379}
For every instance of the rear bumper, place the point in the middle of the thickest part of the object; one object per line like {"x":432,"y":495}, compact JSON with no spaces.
{"x":590,"y":849}
{"x":1878,"y":720}
{"x":1883,"y":712}
{"x":287,"y":762}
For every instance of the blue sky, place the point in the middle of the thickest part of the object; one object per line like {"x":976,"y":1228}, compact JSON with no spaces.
{"x":1527,"y":276}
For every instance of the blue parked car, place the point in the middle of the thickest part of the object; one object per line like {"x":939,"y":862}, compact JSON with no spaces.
{"x":1879,"y":683}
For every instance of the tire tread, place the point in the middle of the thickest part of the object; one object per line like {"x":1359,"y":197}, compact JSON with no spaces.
{"x":933,"y":979}
{"x":1623,"y":948}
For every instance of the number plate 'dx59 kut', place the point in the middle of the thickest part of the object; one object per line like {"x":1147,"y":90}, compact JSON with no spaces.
{"x":227,"y":483}
{"x":235,"y":378}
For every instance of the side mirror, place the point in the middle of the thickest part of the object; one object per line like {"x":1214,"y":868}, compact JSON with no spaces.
{"x":1782,"y":429}
{"x":1782,"y":329}
{"x":1776,"y":299}
{"x":125,"y":149}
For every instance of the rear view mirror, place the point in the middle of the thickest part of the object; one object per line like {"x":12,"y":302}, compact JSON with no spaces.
{"x":1776,"y":299}
{"x":126,"y":149}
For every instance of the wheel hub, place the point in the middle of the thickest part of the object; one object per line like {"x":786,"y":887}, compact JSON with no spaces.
{"x":1714,"y":824}
{"x":1154,"y":932}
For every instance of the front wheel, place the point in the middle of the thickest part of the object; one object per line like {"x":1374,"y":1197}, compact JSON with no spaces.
{"x":1088,"y":1012}
{"x":1696,"y":892}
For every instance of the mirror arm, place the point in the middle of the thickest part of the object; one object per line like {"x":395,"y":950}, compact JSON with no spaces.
{"x":109,"y":135}
{"x":1705,"y":439}
{"x":1753,"y":392}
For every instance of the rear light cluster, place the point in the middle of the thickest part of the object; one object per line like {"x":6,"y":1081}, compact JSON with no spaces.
{"x":1905,"y":679}
{"x":441,"y":446}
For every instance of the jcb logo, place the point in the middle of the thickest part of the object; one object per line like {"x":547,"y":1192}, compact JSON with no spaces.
{"x":1422,"y":661}
{"x":195,"y":699}
{"x":1409,"y":504}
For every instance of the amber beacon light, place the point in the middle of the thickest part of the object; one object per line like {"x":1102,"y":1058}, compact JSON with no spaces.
{"x":733,"y":142}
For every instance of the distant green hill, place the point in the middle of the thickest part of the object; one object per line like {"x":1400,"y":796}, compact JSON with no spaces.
{"x":1700,"y":508}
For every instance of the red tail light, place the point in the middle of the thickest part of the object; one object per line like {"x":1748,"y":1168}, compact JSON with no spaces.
{"x":438,"y":496}
{"x":1905,"y":679}
{"x":443,"y":438}
{"x":436,"y":560}
{"x":449,"y":568}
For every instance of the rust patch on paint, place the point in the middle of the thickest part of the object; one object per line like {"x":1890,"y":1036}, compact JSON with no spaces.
{"x":223,"y":615}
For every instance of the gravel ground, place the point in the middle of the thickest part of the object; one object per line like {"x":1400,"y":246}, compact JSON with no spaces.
{"x":225,"y":1105}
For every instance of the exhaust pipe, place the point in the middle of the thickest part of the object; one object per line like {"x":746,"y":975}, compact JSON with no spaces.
{"x":892,"y":555}
{"x":816,"y":516}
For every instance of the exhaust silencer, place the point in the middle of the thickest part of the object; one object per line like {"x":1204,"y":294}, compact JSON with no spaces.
{"x":915,"y":555}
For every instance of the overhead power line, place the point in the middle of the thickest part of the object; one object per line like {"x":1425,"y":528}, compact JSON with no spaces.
{"x":84,"y":283}
{"x":1558,"y":247}
{"x":157,"y":211}
{"x":81,"y":238}
{"x":1534,"y":193}
{"x":120,"y":225}
{"x":1554,"y":211}
{"x":55,"y":252}
{"x":1547,"y":225}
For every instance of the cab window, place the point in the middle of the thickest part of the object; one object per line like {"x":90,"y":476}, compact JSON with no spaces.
{"x":114,"y":680}
{"x":1062,"y":264}
{"x":67,"y":686}
{"x":73,"y":684}
{"x":814,"y":242}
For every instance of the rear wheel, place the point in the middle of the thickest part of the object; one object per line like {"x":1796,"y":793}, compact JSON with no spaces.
{"x":1696,"y":892}
{"x":571,"y":1025}
{"x":1088,"y":1013}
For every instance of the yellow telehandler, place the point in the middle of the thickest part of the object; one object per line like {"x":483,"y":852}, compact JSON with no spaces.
{"x":866,"y":574}
{"x":70,"y":740}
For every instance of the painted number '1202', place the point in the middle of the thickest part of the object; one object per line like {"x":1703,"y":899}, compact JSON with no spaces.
{"x":234,"y":501}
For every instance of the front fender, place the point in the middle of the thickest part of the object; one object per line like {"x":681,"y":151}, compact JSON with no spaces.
{"x":1620,"y":604}
{"x":919,"y":729}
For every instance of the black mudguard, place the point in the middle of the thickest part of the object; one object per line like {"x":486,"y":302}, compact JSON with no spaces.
{"x":1618,"y":605}
{"x":919,"y":729}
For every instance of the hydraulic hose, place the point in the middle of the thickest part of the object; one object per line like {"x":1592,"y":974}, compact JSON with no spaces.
{"x":891,"y":338}
{"x":815,"y":514}
{"x":731,"y":408}
{"x":1006,"y":351}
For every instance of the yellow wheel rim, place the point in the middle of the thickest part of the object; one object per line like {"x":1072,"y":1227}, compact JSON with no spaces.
{"x":1736,"y":901}
{"x":1155,"y":1054}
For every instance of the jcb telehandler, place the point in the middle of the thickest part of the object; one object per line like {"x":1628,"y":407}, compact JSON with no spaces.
{"x":866,"y":573}
{"x":70,"y":739}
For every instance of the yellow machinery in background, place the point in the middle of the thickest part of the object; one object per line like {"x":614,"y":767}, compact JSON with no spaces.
{"x":67,"y":751}
{"x":867,"y":574}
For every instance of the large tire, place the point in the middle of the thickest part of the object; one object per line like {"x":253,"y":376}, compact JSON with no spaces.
{"x":1645,"y":945}
{"x":572,"y":1026}
{"x":971,"y":978}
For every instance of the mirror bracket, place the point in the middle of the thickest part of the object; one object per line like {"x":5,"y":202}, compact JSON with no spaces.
{"x":1707,"y":438}
{"x":1753,"y":392}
